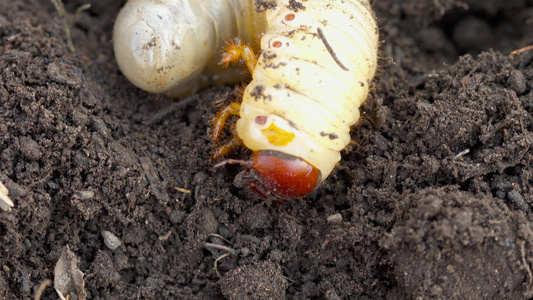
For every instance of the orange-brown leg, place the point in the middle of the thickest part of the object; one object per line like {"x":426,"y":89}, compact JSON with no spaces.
{"x":235,"y":51}
{"x":222,"y":150}
{"x":222,"y":115}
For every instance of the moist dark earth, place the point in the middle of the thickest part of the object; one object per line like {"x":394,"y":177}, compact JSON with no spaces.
{"x":433,"y":200}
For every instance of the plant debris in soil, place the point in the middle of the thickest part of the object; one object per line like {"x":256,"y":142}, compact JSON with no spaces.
{"x":433,"y":201}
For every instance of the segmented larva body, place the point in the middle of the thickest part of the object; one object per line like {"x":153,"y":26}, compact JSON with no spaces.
{"x":314,"y":71}
{"x":170,"y":46}
{"x":317,"y":60}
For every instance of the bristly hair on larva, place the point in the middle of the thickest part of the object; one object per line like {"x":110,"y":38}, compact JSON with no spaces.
{"x":313,"y":72}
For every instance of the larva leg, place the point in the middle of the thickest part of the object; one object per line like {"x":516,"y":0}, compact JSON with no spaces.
{"x":232,"y":109}
{"x":226,"y":148}
{"x":236,"y":51}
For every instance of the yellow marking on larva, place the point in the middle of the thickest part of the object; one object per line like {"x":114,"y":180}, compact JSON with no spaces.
{"x":277,"y":136}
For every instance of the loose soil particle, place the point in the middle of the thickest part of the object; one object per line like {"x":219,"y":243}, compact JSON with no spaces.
{"x":434,"y":198}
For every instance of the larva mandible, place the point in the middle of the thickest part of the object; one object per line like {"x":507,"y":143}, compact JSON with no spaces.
{"x":316,"y":63}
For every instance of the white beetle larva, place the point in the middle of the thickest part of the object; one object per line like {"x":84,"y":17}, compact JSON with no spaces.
{"x":317,"y":60}
{"x":165,"y":46}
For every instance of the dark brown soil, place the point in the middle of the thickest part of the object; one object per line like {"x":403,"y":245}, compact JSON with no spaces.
{"x":433,"y":201}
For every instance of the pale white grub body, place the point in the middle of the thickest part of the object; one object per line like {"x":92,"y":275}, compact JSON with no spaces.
{"x":313,"y":74}
{"x":170,"y":46}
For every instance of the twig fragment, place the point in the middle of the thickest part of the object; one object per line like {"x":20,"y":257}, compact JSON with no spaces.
{"x":520,"y":51}
{"x":66,"y":25}
{"x":41,"y":289}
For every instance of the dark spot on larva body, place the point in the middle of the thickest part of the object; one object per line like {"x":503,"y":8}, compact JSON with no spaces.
{"x":332,"y":136}
{"x":281,"y":86}
{"x":176,"y":46}
{"x":275,"y":66}
{"x":269,"y":55}
{"x":291,"y":123}
{"x":263,"y":5}
{"x":362,"y":84}
{"x":295,"y":5}
{"x":151,"y":44}
{"x":258,"y":93}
